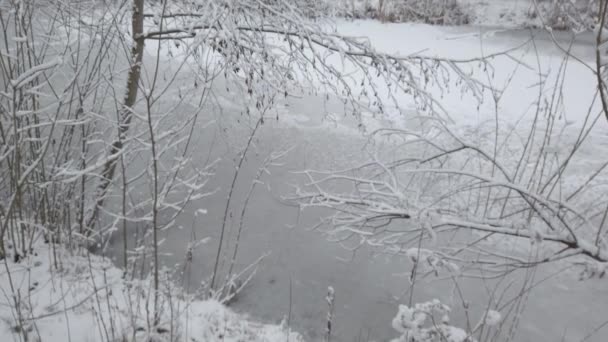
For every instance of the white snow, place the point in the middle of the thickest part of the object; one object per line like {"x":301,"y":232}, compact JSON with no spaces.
{"x":410,"y":323}
{"x":492,"y":317}
{"x":84,"y":298}
{"x":408,"y":318}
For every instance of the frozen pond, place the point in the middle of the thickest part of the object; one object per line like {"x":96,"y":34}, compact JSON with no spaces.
{"x":292,"y":280}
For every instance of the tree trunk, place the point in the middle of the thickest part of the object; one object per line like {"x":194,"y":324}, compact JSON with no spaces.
{"x":125,"y":115}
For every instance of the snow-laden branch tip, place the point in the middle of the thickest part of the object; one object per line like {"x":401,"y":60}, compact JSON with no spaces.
{"x":30,"y":74}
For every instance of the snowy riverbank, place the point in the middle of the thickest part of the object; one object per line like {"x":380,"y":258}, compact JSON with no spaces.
{"x":62,"y":296}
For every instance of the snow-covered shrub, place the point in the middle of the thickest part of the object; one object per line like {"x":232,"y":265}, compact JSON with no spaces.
{"x":313,"y":8}
{"x":575,"y":15}
{"x":430,"y":322}
{"x":436,"y":12}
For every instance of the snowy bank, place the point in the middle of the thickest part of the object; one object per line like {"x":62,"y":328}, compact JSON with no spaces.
{"x":56,"y":295}
{"x":565,"y":15}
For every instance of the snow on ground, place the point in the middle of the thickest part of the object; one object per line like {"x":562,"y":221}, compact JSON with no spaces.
{"x":84,"y":298}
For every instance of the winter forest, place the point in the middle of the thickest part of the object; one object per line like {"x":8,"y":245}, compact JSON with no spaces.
{"x":303,"y":170}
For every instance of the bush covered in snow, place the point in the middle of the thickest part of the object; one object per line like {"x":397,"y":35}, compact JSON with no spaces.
{"x":575,"y":15}
{"x":556,"y":14}
{"x":436,"y":12}
{"x":430,"y":322}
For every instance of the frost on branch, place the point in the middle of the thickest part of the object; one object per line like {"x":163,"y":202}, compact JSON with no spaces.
{"x":272,"y":46}
{"x":435,"y":262}
{"x":449,"y":201}
{"x":593,"y":269}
